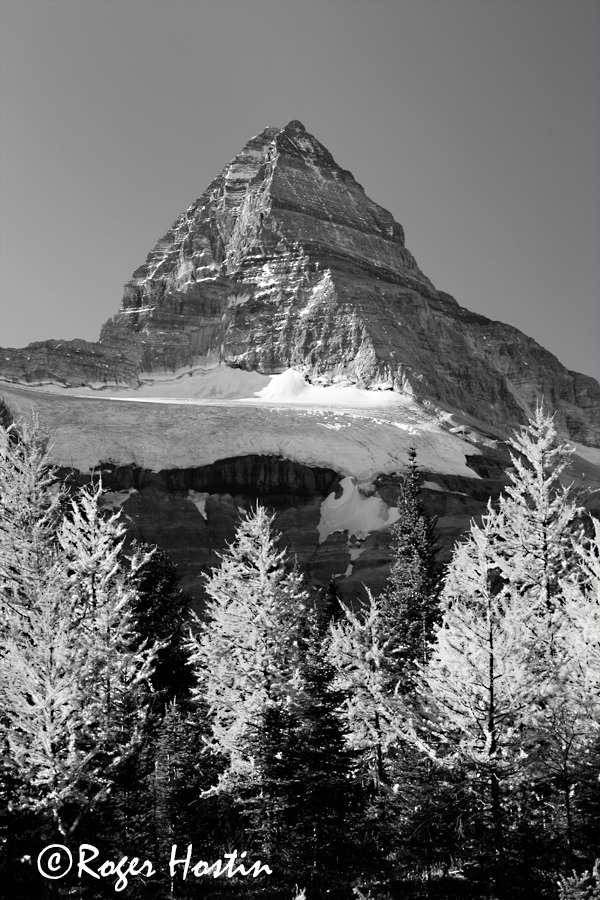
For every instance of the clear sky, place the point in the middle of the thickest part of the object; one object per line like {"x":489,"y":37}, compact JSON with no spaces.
{"x":475,"y":122}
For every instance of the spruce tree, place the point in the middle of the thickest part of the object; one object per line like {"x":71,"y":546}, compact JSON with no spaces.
{"x":409,"y":603}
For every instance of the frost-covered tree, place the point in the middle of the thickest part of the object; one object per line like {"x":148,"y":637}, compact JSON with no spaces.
{"x":409,"y":604}
{"x":245,"y":655}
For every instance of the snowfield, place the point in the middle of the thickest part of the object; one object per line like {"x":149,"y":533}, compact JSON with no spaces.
{"x":201,"y":417}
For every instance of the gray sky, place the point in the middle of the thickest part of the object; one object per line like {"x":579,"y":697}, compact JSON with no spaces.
{"x":475,"y":122}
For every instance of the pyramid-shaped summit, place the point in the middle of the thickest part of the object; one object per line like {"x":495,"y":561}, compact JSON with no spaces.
{"x":281,"y":262}
{"x":285,"y":262}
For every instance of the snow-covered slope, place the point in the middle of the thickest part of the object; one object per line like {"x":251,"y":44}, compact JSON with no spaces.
{"x":226,"y":412}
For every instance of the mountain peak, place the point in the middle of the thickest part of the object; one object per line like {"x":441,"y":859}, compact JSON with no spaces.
{"x":294,"y":125}
{"x":284,"y":262}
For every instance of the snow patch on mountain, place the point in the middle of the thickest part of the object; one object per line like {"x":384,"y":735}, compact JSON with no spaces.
{"x":199,"y":499}
{"x":354,"y":513}
{"x":292,"y":387}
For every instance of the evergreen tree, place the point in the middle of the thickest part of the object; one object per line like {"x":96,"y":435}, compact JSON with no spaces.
{"x":181,"y":775}
{"x":161,"y":614}
{"x":326,"y":799}
{"x":409,"y":603}
{"x":329,"y":604}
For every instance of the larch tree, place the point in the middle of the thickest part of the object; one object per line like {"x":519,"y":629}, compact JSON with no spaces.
{"x":538,"y":515}
{"x":509,"y":678}
{"x":476,"y":690}
{"x":359,"y":648}
{"x":71,"y":676}
{"x":566,"y":745}
{"x":30,"y":509}
{"x":245,"y":655}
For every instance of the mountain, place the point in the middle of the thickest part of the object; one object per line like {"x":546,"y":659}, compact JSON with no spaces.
{"x":285,"y":313}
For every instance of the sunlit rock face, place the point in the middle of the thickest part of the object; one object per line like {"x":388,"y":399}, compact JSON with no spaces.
{"x":266,"y":269}
{"x":285,"y":262}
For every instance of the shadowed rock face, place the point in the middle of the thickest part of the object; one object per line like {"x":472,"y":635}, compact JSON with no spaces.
{"x":193,"y":514}
{"x":283,"y":261}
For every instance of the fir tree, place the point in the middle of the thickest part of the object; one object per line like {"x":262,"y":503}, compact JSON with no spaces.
{"x":329,"y":604}
{"x":304,"y":816}
{"x":409,"y":603}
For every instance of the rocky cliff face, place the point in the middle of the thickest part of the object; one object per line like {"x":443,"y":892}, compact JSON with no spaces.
{"x":284,"y":262}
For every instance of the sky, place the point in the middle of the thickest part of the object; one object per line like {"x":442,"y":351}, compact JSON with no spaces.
{"x":475,"y":122}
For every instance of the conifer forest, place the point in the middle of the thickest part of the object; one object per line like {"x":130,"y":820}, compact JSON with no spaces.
{"x":441,"y":739}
